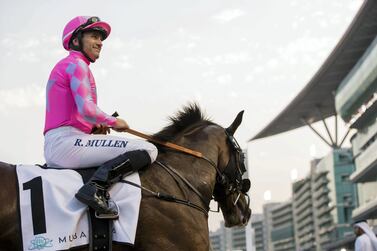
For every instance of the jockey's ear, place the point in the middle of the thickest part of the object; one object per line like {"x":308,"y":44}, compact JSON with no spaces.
{"x":75,"y":41}
{"x":237,"y":121}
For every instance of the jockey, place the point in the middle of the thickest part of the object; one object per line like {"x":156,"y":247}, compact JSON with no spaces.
{"x":76,"y":130}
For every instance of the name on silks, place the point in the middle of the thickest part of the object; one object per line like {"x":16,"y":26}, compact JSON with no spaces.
{"x":101,"y":143}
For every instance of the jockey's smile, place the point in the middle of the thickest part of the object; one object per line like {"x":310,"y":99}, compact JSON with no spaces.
{"x":92,"y":44}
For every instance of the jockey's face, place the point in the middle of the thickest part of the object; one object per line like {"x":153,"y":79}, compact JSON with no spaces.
{"x":92,"y":44}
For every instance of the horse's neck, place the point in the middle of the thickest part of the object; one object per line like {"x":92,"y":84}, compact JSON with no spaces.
{"x":181,"y":237}
{"x":202,"y":176}
{"x":197,"y":172}
{"x":200,"y":173}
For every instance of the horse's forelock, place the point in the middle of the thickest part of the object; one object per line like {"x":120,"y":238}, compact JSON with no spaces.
{"x":188,"y":116}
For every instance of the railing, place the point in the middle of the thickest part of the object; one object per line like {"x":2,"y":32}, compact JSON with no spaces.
{"x":322,"y":201}
{"x":359,"y":82}
{"x":308,"y":212}
{"x":279,"y":212}
{"x":306,"y":204}
{"x":357,"y":213}
{"x":283,"y":220}
{"x":320,"y":182}
{"x":324,"y":210}
{"x":324,"y":220}
{"x":304,"y":196}
{"x":323,"y":191}
{"x":366,"y":163}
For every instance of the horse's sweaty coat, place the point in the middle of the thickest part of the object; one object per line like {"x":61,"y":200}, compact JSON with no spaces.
{"x":56,"y":220}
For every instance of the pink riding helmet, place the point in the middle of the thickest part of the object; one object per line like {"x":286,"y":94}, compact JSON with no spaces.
{"x":83,"y":23}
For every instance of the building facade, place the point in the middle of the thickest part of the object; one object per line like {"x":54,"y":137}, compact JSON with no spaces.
{"x":282,"y":230}
{"x":345,"y":85}
{"x":356,"y":103}
{"x":259,"y":232}
{"x":238,"y":239}
{"x":218,"y":239}
{"x":334,"y":197}
{"x":319,"y":215}
{"x":217,"y":242}
{"x":268,"y":208}
{"x":323,"y":201}
{"x":228,"y":239}
{"x":303,"y":215}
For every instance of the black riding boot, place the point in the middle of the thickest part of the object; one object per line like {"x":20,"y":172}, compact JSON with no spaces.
{"x":94,"y":192}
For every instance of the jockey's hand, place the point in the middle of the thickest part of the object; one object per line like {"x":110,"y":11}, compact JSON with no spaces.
{"x":120,"y":125}
{"x":101,"y":129}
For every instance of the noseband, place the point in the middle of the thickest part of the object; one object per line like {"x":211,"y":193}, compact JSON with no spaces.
{"x":231,"y":178}
{"x":236,"y":168}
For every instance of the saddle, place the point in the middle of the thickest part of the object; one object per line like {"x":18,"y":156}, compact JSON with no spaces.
{"x":51,"y":217}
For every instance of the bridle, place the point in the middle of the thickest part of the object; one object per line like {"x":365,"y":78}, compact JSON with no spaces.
{"x":229,"y":179}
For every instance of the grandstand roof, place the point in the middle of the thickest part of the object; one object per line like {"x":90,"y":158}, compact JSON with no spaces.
{"x":318,"y":94}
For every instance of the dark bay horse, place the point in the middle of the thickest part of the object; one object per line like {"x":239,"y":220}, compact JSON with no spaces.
{"x":167,"y":224}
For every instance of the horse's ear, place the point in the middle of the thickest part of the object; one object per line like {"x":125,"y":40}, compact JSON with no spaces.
{"x":233,"y":127}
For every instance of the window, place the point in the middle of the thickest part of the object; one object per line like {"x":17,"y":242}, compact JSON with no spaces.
{"x":345,"y":177}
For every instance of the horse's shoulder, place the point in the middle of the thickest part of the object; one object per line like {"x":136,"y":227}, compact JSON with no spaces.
{"x":154,"y":176}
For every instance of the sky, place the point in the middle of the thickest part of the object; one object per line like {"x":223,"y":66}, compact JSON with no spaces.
{"x":225,"y":55}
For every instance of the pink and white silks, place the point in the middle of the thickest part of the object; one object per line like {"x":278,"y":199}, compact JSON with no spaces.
{"x":71,"y":112}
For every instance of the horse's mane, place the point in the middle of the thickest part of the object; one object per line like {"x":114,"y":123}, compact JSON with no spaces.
{"x":190,"y":115}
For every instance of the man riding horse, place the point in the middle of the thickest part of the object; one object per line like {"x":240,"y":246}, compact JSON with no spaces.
{"x":175,"y":193}
{"x":76,"y":130}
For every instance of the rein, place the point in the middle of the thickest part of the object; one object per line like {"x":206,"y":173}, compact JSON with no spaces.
{"x":173,"y":146}
{"x":172,"y":198}
{"x":174,"y":173}
{"x":169,"y":144}
{"x":165,"y":143}
{"x":222,"y":178}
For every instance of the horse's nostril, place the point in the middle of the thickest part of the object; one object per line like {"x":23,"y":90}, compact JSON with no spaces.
{"x":246,"y":218}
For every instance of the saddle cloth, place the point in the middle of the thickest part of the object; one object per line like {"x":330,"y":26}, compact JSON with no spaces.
{"x":53,"y":219}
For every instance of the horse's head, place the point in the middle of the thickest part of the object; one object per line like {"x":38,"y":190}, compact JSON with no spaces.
{"x":221,"y":151}
{"x":230,"y":188}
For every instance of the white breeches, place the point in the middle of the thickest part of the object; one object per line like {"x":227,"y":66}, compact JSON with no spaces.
{"x":68,"y":147}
